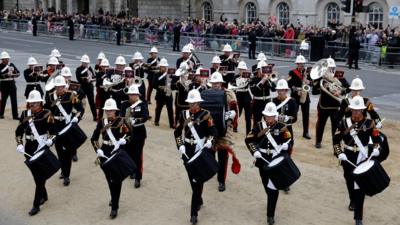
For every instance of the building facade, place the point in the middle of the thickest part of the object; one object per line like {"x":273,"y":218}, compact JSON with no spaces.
{"x":306,"y":12}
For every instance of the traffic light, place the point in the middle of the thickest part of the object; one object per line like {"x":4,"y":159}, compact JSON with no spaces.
{"x":358,"y":5}
{"x":346,"y":5}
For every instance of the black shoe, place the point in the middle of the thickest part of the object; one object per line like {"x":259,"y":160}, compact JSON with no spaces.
{"x":132,"y":176}
{"x":149,"y":102}
{"x":200,"y":205}
{"x":61,"y":176}
{"x":15,"y":118}
{"x":286,"y":190}
{"x":75,"y":158}
{"x":193,"y":219}
{"x":1,"y":116}
{"x":156,"y":124}
{"x":137,"y":183}
{"x":43,"y":200}
{"x":110,"y":203}
{"x":235,"y":130}
{"x":351,"y":206}
{"x":221,"y":187}
{"x":271,"y":220}
{"x":307,"y":136}
{"x":66,"y":181}
{"x":359,"y":222}
{"x":113,"y":214}
{"x":358,"y":68}
{"x":34,"y":211}
{"x":318,"y":145}
{"x":172,"y":126}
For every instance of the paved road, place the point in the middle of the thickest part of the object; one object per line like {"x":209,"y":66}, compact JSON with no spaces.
{"x":382,"y":85}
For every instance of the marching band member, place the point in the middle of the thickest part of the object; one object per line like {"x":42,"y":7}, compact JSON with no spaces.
{"x":182,"y":87}
{"x":101,"y":94}
{"x":8,"y":71}
{"x":298,"y":79}
{"x":85,"y":76}
{"x":137,"y":67}
{"x":115,"y":134}
{"x":50,"y":73}
{"x":117,"y":90}
{"x":99,"y":58}
{"x":151,"y":70}
{"x":264,"y":142}
{"x":260,"y":88}
{"x":186,"y":57}
{"x":260,"y":57}
{"x":356,"y":88}
{"x":327,"y":105}
{"x":243,"y":96}
{"x":195,"y":131}
{"x":36,"y":123}
{"x":224,"y":123}
{"x":32,"y":77}
{"x":215,"y":64}
{"x":355,"y":131}
{"x":136,"y":113}
{"x":55,"y":53}
{"x":228,"y":61}
{"x":62,"y":103}
{"x":162,"y":84}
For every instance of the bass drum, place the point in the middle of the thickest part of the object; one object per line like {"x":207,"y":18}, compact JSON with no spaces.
{"x":43,"y":164}
{"x":282,"y":171}
{"x":215,"y":102}
{"x":119,"y":166}
{"x":203,"y":165}
{"x":371,"y":177}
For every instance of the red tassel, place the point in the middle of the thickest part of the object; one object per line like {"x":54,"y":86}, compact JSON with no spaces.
{"x":235,"y":161}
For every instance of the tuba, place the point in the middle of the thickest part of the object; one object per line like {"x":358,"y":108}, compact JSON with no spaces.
{"x":328,"y":82}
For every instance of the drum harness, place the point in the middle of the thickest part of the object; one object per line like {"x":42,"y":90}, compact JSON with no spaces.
{"x":62,"y":110}
{"x":41,"y":139}
{"x":133,"y":106}
{"x":198,"y":141}
{"x":112,"y":137}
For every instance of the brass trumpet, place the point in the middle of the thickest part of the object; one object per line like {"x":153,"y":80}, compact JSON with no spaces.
{"x":328,"y":83}
{"x":273,"y":77}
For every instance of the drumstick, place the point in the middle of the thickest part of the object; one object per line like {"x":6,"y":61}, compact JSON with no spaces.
{"x":186,"y":155}
{"x":369,"y":158}
{"x":27,"y":154}
{"x":351,"y":163}
{"x":265,"y":160}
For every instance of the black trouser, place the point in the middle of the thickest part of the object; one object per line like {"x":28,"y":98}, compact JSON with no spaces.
{"x":222,"y":164}
{"x":89,"y":94}
{"x":271,"y":194}
{"x":353,"y":57}
{"x":65,"y":157}
{"x":150,"y":80}
{"x":40,"y":190}
{"x":8,"y":89}
{"x":252,"y":51}
{"x":244,"y":104}
{"x":71,"y":35}
{"x":258,"y":107}
{"x":356,"y":196}
{"x":115,"y":192}
{"x":34,"y":30}
{"x":323,"y":115}
{"x":135,"y":151}
{"x":176,"y":44}
{"x":197,"y":187}
{"x":118,"y":38}
{"x":167,"y":101}
{"x":305,"y":112}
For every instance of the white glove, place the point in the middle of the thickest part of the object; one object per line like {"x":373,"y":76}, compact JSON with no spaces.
{"x":75,"y":120}
{"x":257,"y":155}
{"x":99,"y":153}
{"x":208,"y":144}
{"x":133,"y":121}
{"x":379,"y":125}
{"x":284,"y":146}
{"x":182,"y":149}
{"x":49,"y":142}
{"x":342,"y":157}
{"x":283,"y":118}
{"x":121,"y":141}
{"x":375,"y":152}
{"x":286,"y":119}
{"x":20,"y":149}
{"x":230,"y":115}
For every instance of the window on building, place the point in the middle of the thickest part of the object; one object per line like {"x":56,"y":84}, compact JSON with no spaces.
{"x":207,"y":11}
{"x":283,"y":13}
{"x":375,"y":15}
{"x":332,"y":14}
{"x":251,"y":12}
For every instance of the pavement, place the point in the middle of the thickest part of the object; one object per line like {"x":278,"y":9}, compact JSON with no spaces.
{"x":381,"y":83}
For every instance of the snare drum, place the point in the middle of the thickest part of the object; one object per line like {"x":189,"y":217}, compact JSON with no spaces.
{"x":72,"y":136}
{"x":43,"y":164}
{"x":119,"y":166}
{"x":371,"y":177}
{"x":203,"y":165}
{"x":282,"y":171}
